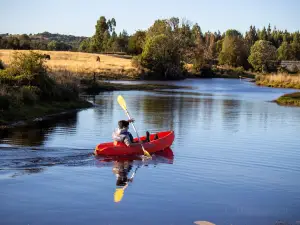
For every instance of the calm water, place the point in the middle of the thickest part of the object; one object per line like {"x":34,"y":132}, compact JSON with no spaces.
{"x":236,"y":161}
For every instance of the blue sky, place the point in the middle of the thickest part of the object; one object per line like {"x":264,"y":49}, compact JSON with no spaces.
{"x":79,"y":17}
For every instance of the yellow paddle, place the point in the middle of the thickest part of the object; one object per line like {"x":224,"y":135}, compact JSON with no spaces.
{"x":120,"y":191}
{"x":122,"y":103}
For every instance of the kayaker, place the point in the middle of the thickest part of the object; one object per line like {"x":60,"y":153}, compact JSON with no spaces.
{"x":122,"y":135}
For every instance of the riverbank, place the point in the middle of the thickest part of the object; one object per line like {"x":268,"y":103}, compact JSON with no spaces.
{"x":279,"y":80}
{"x":27,"y":115}
{"x":292,"y":99}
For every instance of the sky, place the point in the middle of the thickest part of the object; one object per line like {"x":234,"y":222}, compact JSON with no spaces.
{"x":78,"y":17}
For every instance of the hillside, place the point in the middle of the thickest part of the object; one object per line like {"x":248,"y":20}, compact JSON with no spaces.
{"x":68,"y":39}
{"x":40,"y":41}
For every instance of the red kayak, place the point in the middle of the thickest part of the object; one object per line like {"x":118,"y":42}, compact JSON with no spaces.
{"x":165,"y":140}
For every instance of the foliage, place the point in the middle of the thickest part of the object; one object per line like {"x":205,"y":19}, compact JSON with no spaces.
{"x":159,"y":57}
{"x":261,"y":53}
{"x":40,"y":41}
{"x":58,"y":46}
{"x":165,"y":47}
{"x":27,"y":80}
{"x":285,"y":52}
{"x":136,"y":43}
{"x":234,"y":50}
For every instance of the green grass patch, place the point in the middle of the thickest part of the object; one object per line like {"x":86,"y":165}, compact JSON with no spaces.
{"x":292,"y":99}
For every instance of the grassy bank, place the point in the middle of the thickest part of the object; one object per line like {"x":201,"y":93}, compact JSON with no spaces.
{"x":280,"y":80}
{"x":220,"y":72}
{"x":292,"y":99}
{"x":27,"y":91}
{"x":80,"y":64}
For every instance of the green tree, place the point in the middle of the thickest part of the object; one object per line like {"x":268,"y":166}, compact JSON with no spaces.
{"x":234,"y":50}
{"x":199,"y":49}
{"x":261,"y":53}
{"x":101,"y":28}
{"x":84,"y":45}
{"x":196,"y":32}
{"x":263,"y":34}
{"x":123,"y":41}
{"x":251,"y":36}
{"x":136,"y":42}
{"x":296,"y":45}
{"x":285,"y":52}
{"x":52,"y":45}
{"x":269,"y":33}
{"x":161,"y":56}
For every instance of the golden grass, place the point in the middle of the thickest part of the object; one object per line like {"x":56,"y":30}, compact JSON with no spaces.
{"x":282,"y":80}
{"x":83,"y":64}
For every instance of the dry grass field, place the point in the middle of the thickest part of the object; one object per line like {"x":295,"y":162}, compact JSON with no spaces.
{"x":83,"y":64}
{"x":281,"y":80}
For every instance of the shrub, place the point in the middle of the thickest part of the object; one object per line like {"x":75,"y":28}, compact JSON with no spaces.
{"x":29,"y":74}
{"x":239,"y":70}
{"x":29,"y":94}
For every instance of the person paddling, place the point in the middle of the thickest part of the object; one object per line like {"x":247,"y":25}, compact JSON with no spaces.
{"x":122,"y":135}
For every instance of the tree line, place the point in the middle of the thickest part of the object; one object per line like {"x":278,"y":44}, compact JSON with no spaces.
{"x":40,"y":41}
{"x":169,"y":44}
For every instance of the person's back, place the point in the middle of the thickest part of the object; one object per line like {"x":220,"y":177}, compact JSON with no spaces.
{"x":122,"y":135}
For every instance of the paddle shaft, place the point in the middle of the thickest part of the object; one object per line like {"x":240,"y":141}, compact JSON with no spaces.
{"x":127,"y":113}
{"x":132,"y":176}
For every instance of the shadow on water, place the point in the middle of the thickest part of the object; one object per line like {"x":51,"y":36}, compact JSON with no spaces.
{"x":36,"y":135}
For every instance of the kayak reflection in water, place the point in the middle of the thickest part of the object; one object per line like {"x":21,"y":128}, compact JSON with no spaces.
{"x":121,"y":170}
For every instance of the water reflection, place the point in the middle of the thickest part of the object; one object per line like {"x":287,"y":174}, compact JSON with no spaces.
{"x":36,"y":135}
{"x":123,"y":166}
{"x":231,"y":114}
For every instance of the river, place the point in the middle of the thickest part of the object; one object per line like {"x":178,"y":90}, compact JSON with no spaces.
{"x":235,"y":160}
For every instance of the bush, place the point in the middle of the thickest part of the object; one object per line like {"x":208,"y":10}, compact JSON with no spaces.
{"x":27,"y":76}
{"x":29,"y":94}
{"x":136,"y":61}
{"x":239,"y":70}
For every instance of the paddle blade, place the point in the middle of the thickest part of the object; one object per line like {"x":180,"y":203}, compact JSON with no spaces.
{"x":122,"y":102}
{"x":146,"y":153}
{"x":118,"y":194}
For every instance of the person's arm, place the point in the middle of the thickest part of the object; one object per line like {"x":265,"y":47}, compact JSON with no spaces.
{"x":129,"y":143}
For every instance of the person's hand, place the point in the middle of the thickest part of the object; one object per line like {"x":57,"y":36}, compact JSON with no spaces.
{"x":131,"y":120}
